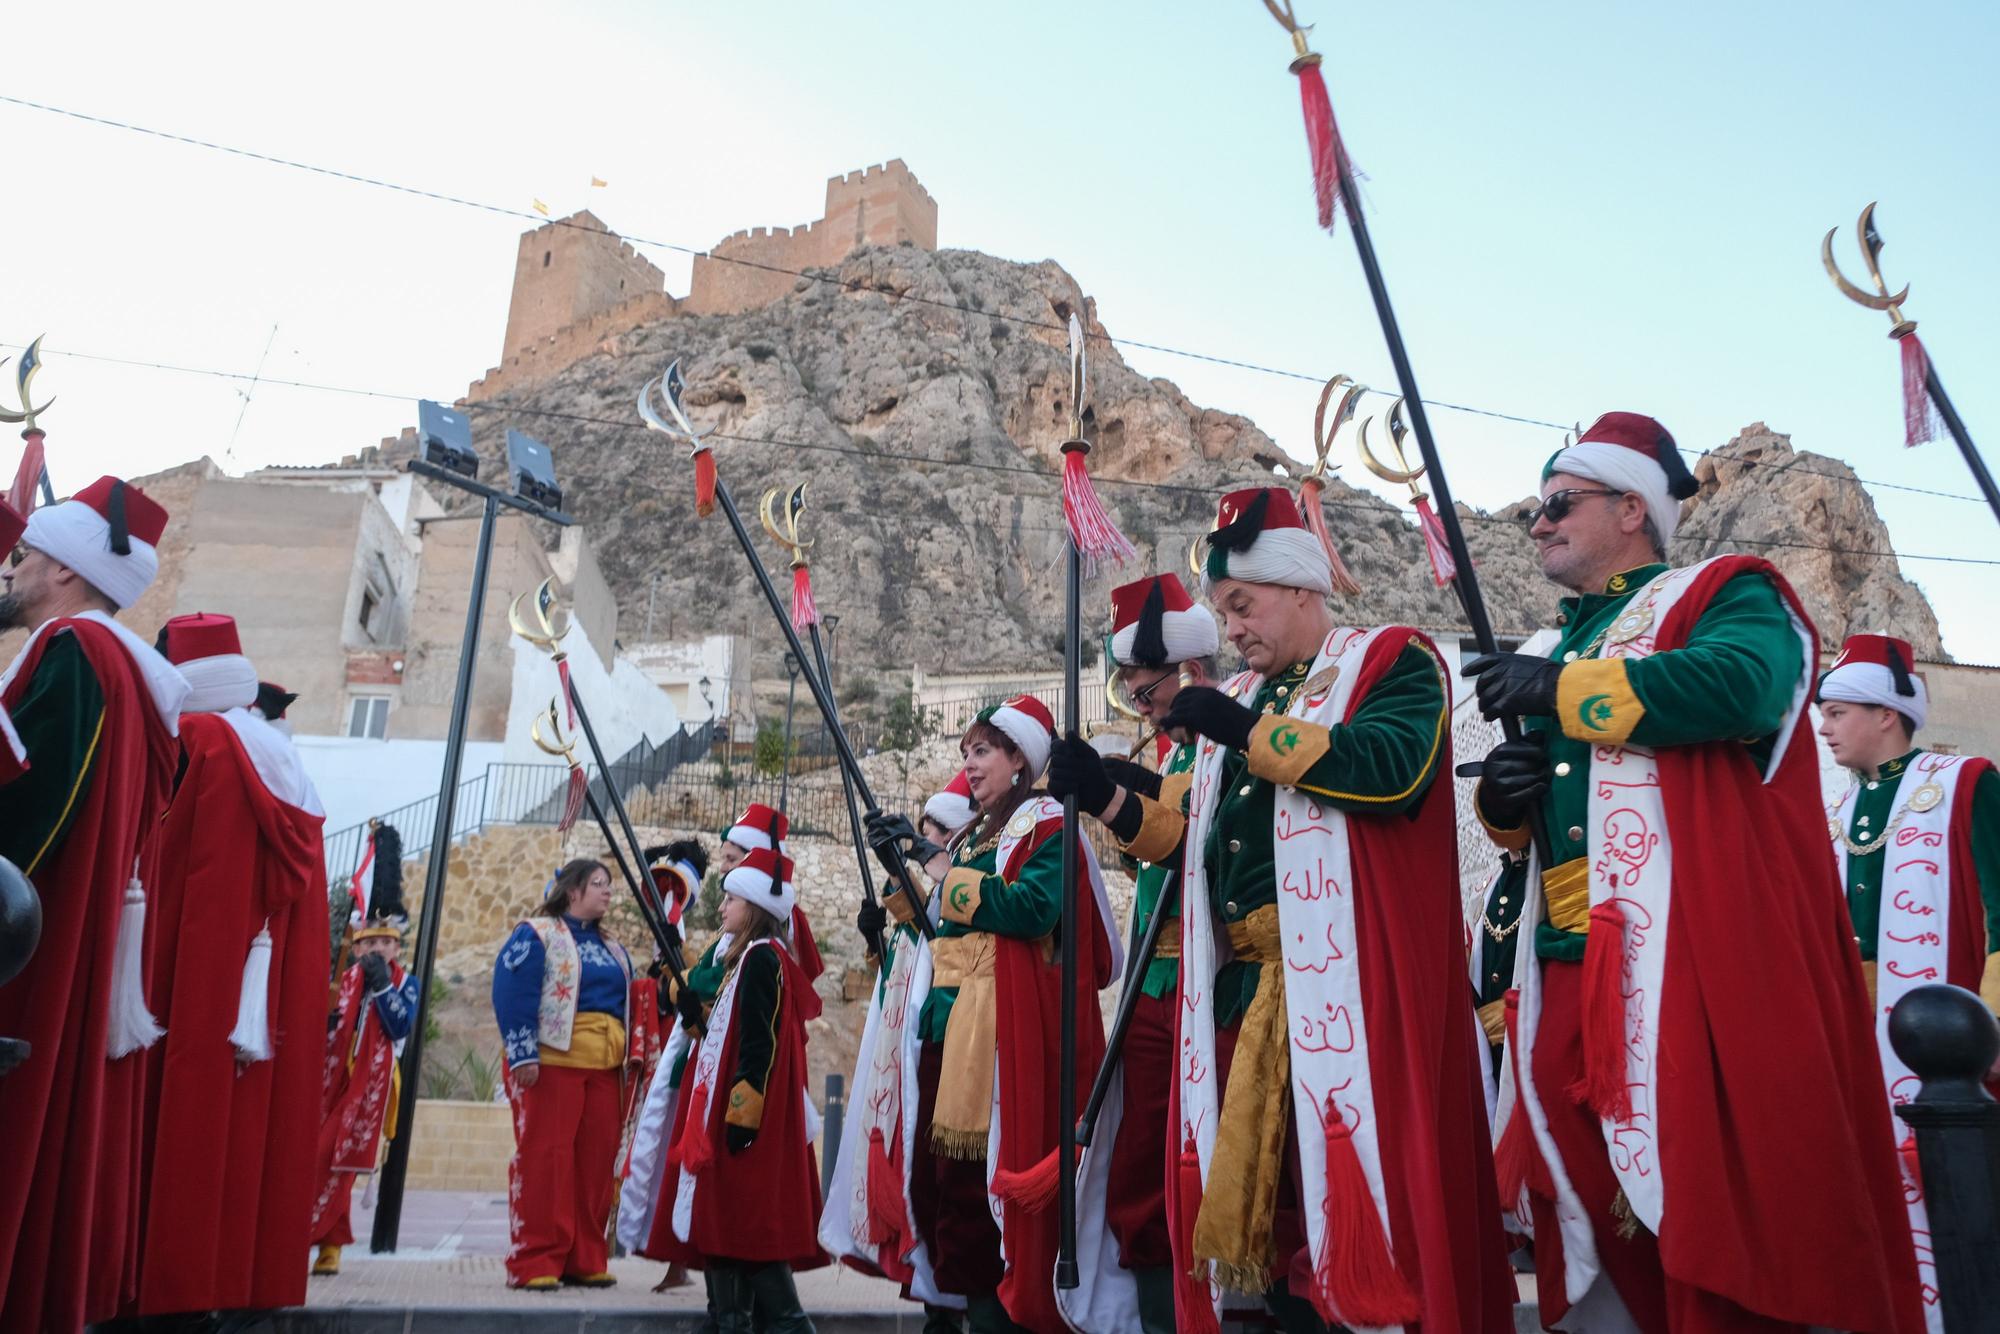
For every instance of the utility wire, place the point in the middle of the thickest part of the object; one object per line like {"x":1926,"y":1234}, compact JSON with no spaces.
{"x":1372,"y":505}
{"x":844,"y":284}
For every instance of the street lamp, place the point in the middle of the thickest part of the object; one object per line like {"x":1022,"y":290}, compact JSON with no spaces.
{"x":832,"y":622}
{"x":791,"y":698}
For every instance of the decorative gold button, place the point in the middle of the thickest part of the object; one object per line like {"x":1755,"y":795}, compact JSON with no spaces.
{"x":1503,"y":900}
{"x":1496,"y":977}
{"x":1236,"y":845}
{"x":1864,"y":836}
{"x":1864,"y":819}
{"x":1243,"y":791}
{"x":1562,"y":770}
{"x":1872,"y":785}
{"x":1570,"y":656}
{"x":1284,"y":691}
{"x":1576,"y":833}
{"x":1229,"y":908}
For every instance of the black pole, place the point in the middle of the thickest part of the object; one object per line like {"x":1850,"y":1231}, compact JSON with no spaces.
{"x":1072,"y":848}
{"x":642,"y":884}
{"x":1464,"y":582}
{"x":792,"y":667}
{"x":847,"y":790}
{"x":664,"y":948}
{"x":389,"y":1204}
{"x":1128,"y":1003}
{"x":823,"y":699}
{"x":1947,"y":1037}
{"x":1956,"y":425}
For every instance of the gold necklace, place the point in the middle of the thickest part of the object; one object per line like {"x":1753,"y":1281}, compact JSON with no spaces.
{"x":1497,"y":935}
{"x":1926,"y":796}
{"x":980,"y":849}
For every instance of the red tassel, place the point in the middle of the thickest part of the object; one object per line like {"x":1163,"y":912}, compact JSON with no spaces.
{"x":1920,"y":418}
{"x":1329,"y":155}
{"x":704,"y":483}
{"x":1194,"y":1307}
{"x":1090,"y":526}
{"x":28,"y":477}
{"x":1912,"y":1169}
{"x":1602,"y":1086}
{"x":805,"y":611}
{"x":1436,"y":545}
{"x":1355,"y":1279}
{"x":573,"y":800}
{"x":1344,"y":581}
{"x":1032,"y":1189}
{"x":886,"y":1219}
{"x":569,"y":699}
{"x":693,"y":1150}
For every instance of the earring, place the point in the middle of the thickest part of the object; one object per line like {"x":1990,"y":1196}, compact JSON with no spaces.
{"x":1014,"y":780}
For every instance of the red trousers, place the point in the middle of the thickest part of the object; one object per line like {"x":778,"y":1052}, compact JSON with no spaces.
{"x":1657,"y":1302}
{"x":559,"y":1185}
{"x":337,"y":1227}
{"x":1136,"y":1210}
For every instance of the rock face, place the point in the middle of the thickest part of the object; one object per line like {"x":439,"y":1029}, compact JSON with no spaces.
{"x":930,"y":437}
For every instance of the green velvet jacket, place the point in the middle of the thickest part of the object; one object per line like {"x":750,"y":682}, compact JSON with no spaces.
{"x":1873,"y":810}
{"x":1026,"y":908}
{"x":58,"y":719}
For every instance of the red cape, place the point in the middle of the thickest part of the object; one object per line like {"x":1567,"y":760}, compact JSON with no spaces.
{"x":1430,"y":1107}
{"x":70,"y":1119}
{"x":228,"y":1202}
{"x":1771,"y":1100}
{"x":354,"y":1095}
{"x":1966,"y":964}
{"x":761,"y":1204}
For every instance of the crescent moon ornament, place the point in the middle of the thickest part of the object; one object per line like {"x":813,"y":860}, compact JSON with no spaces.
{"x":551,"y":623}
{"x":668,"y":389}
{"x":1323,"y":434}
{"x":24,"y":376}
{"x":1871,"y":247}
{"x":782,"y":523}
{"x":1077,"y":371}
{"x":1396,"y":431}
{"x":559,"y":748}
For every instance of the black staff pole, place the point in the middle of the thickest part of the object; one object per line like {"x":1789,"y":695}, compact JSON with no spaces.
{"x":1128,"y":1003}
{"x":389,"y":1203}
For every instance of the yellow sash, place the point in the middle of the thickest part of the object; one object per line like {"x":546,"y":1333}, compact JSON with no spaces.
{"x":964,"y":1112}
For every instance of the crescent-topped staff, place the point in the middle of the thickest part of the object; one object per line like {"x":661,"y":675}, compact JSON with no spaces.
{"x":710,"y":492}
{"x":33,"y":459}
{"x":805,"y":614}
{"x":1924,"y":399}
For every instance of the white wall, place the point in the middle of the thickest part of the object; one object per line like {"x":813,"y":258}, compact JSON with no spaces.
{"x":358,"y":777}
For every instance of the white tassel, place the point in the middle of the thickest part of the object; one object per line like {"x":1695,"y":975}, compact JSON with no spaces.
{"x":132,"y":1025}
{"x":252,"y":1034}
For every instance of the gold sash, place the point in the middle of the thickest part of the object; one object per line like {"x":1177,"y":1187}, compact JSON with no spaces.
{"x":964,"y":1112}
{"x":597,"y":1042}
{"x":1567,"y":891}
{"x":1240,"y":1196}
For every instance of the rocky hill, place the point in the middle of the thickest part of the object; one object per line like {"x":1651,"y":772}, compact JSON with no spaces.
{"x":929,"y":435}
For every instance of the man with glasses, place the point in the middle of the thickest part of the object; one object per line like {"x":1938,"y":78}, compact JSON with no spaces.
{"x":1160,"y":641}
{"x":1691,"y":1039}
{"x":97,"y":711}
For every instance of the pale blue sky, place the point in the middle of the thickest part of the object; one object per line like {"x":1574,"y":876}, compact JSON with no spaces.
{"x":1579,"y":207}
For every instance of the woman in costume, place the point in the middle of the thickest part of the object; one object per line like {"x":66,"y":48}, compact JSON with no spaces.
{"x":561,"y":994}
{"x":740,"y":1193}
{"x":987,"y":1018}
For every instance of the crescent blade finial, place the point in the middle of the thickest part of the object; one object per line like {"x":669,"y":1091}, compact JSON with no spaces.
{"x":1882,"y":301}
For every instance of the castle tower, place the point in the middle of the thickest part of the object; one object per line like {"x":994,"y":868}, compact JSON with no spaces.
{"x":569,"y":271}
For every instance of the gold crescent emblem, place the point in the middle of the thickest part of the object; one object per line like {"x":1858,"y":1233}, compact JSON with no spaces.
{"x":1323,"y":433}
{"x":24,"y":376}
{"x":1925,"y":797}
{"x":565,"y":750}
{"x":550,"y":623}
{"x":1631,"y":625}
{"x":1871,"y":247}
{"x":1397,"y":432}
{"x":782,"y":522}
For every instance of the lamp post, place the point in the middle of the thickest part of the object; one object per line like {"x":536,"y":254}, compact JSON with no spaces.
{"x":449,"y":458}
{"x":832,"y":622}
{"x":791,"y":698}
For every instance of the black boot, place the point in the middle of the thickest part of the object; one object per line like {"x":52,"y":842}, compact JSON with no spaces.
{"x":1156,"y":1300}
{"x":984,"y":1314}
{"x":1295,"y":1314}
{"x":729,"y":1289}
{"x":943,"y":1320}
{"x":776,"y":1300}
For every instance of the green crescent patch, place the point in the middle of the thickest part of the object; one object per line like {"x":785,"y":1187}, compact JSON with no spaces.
{"x":1594,"y":712}
{"x":1284,"y":740}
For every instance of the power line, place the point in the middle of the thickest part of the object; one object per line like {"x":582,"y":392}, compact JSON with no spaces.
{"x":849,"y":284}
{"x":1372,"y":505}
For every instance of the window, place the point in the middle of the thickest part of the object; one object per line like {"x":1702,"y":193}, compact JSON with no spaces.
{"x":367,"y":607}
{"x":368,"y":716}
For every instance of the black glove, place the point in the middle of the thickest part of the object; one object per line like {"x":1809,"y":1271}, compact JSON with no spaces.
{"x":872,"y":921}
{"x":1206,"y":710}
{"x":1514,"y":683}
{"x":923,"y":850}
{"x":1133,"y":777}
{"x":1512,"y":778}
{"x":688,"y":1005}
{"x":1076,"y":769}
{"x":886,"y":831}
{"x":673,"y":935}
{"x":374,"y":972}
{"x":740,"y":1138}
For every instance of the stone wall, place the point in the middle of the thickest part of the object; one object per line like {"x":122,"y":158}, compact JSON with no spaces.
{"x":461,"y":1146}
{"x":493,"y":879}
{"x":569,"y":271}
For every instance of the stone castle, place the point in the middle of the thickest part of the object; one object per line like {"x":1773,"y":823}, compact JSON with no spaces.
{"x":577,"y":284}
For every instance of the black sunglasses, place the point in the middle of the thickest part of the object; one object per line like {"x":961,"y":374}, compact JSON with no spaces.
{"x":1556,"y":505}
{"x":1144,"y":695}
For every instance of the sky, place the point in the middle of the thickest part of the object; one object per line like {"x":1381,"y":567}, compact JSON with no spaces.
{"x":1578,"y":208}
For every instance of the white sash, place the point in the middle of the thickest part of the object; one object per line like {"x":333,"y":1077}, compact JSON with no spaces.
{"x":703,"y":1075}
{"x":1912,"y":945}
{"x":1326,"y":1023}
{"x":639,"y":1199}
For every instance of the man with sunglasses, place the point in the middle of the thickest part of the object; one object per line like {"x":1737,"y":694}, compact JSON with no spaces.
{"x":1160,"y":642}
{"x":97,"y":711}
{"x":1690,"y":1039}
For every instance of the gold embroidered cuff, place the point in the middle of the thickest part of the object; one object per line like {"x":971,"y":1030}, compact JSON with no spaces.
{"x":746,"y":1106}
{"x":1510,"y":840}
{"x":1173,"y":789}
{"x":897,"y":902}
{"x":1989,"y":983}
{"x":1868,"y":980}
{"x":1282,"y":749}
{"x":1493,"y":1018}
{"x":1161,"y":828}
{"x":1595,"y":702}
{"x":961,"y":894}
{"x":1567,"y":891}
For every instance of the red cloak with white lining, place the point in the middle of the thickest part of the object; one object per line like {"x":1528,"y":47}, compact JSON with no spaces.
{"x":228,"y":1202}
{"x":71,"y":1118}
